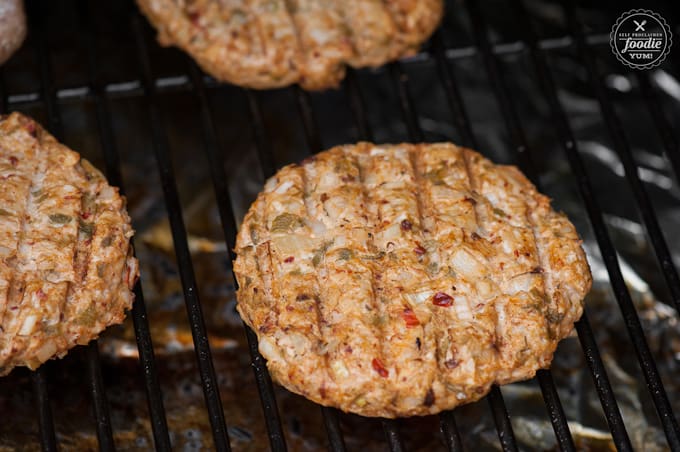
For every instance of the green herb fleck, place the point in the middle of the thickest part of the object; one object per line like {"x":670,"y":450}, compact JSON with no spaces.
{"x":432,"y":268}
{"x":88,"y":317}
{"x":87,"y":229}
{"x":499,"y":212}
{"x":345,"y":254}
{"x":286,"y":222}
{"x":107,"y":241}
{"x":320,"y":252}
{"x":101,"y":269}
{"x":60,"y":218}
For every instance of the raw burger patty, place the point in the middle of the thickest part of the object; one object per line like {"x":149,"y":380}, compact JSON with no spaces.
{"x":66,"y":265}
{"x":400,"y":280}
{"x":274,"y":43}
{"x":12,"y":27}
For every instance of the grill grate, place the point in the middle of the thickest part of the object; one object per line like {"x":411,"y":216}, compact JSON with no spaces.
{"x":96,"y":90}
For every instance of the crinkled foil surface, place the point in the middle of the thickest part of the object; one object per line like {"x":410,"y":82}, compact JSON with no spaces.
{"x":302,"y":421}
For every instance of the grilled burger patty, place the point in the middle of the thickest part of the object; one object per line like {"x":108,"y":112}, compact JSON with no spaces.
{"x":66,"y":264}
{"x":12,"y":27}
{"x":274,"y":43}
{"x":406,"y":279}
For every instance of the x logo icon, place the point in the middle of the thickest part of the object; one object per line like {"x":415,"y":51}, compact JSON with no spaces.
{"x":639,"y":26}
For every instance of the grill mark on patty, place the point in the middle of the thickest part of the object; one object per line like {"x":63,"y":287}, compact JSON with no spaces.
{"x":20,"y":286}
{"x":318,"y":301}
{"x":372,"y":219}
{"x":471,"y":182}
{"x":435,"y":326}
{"x":21,"y":199}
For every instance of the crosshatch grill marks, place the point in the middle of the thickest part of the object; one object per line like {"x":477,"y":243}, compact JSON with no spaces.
{"x":413,"y":274}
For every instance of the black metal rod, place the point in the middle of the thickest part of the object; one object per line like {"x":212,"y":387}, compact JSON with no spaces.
{"x":174,"y":210}
{"x":312,"y":134}
{"x":314,"y":144}
{"x":100,"y":403}
{"x":583,"y":329}
{"x":654,"y":383}
{"x":602,"y":385}
{"x":48,"y":440}
{"x":447,"y":424}
{"x":670,"y":142}
{"x":264,"y":151}
{"x":391,"y":430}
{"x":453,"y":96}
{"x":400,"y":80}
{"x":500,"y":417}
{"x":226,"y":212}
{"x":357,"y":105}
{"x":557,"y":417}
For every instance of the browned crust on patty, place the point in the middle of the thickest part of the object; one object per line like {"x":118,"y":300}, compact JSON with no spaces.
{"x":274,"y":43}
{"x":400,"y":280}
{"x":66,"y":264}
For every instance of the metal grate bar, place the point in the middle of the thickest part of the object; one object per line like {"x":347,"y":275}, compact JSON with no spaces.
{"x":602,"y":385}
{"x":654,"y":383}
{"x":314,"y":144}
{"x":101,"y":406}
{"x":615,"y":127}
{"x":447,"y":424}
{"x":555,"y":410}
{"x":392,"y":435}
{"x":48,"y":440}
{"x":518,"y":138}
{"x":357,"y":105}
{"x":159,"y":425}
{"x":453,"y":97}
{"x":226,"y":211}
{"x":502,"y":420}
{"x":588,"y":343}
{"x":670,"y":142}
{"x":186,"y":270}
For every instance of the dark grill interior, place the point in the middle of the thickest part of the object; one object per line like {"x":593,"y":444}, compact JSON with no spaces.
{"x":106,"y":72}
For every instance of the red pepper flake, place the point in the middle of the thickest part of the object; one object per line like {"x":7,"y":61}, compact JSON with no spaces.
{"x":42,"y":295}
{"x":406,"y":225}
{"x":410,"y":318}
{"x":475,"y":236}
{"x":30,"y":128}
{"x":379,"y":367}
{"x":289,"y":259}
{"x":419,"y":250}
{"x":442,"y":299}
{"x":324,"y":197}
{"x":85,"y":215}
{"x":516,"y":253}
{"x":13,"y":160}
